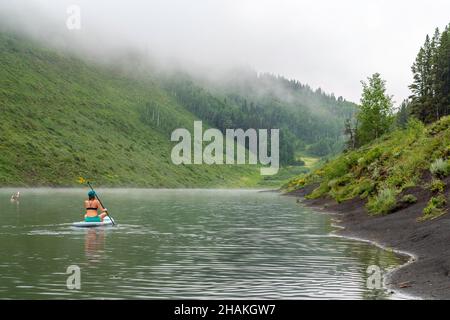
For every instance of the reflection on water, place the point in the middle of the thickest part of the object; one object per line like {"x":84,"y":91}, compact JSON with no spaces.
{"x":180,"y":244}
{"x":94,"y":244}
{"x":15,"y":203}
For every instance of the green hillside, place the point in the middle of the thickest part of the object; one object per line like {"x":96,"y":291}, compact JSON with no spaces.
{"x":309,"y":121}
{"x":62,"y":118}
{"x":395,"y":161}
{"x":386,"y":171}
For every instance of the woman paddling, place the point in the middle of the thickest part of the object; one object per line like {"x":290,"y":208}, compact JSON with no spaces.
{"x":92,"y":205}
{"x":15,"y":196}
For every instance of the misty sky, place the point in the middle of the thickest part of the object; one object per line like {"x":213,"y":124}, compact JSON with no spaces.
{"x":325,"y":43}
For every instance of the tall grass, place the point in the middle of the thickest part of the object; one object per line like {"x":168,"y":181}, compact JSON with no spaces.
{"x":439,"y":168}
{"x":391,"y":164}
{"x":383,"y":202}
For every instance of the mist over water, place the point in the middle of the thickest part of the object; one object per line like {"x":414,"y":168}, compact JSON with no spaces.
{"x":180,"y":244}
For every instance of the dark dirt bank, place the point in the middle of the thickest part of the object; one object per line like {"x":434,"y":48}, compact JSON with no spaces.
{"x":428,"y":276}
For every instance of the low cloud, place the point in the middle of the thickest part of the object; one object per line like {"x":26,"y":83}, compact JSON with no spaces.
{"x":327,"y":44}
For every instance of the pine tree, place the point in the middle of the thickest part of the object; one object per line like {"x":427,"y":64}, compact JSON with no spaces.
{"x":430,"y":97}
{"x":417,"y":87}
{"x":435,"y":44}
{"x":402,"y":116}
{"x":422,"y":88}
{"x":442,"y":74}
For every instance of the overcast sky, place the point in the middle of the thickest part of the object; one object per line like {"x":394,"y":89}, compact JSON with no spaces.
{"x":332,"y":44}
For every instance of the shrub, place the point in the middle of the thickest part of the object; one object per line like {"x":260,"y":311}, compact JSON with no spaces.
{"x":382,"y":203}
{"x":396,"y":180}
{"x":338,"y":168}
{"x":447,"y":152}
{"x":409,"y":198}
{"x":439,"y":168}
{"x":439,"y":126}
{"x":320,"y":191}
{"x":340,"y":194}
{"x":434,"y":208}
{"x":370,"y":157}
{"x":375,"y":172}
{"x":437,"y":186}
{"x":415,"y":127}
{"x":364,"y":188}
{"x":339,"y":182}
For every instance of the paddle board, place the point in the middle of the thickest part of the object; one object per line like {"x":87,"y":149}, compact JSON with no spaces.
{"x":83,"y":224}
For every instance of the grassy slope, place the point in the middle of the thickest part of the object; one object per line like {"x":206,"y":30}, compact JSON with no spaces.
{"x":383,"y":171}
{"x":62,"y":118}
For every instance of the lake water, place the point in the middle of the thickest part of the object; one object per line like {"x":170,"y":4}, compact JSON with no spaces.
{"x":180,"y":244}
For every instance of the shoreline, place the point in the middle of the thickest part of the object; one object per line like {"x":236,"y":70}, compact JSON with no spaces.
{"x":397,"y":294}
{"x":426,"y":274}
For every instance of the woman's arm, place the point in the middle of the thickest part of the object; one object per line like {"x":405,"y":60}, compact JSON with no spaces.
{"x":99,"y":205}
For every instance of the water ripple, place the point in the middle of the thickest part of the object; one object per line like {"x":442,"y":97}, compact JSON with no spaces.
{"x":181,"y":244}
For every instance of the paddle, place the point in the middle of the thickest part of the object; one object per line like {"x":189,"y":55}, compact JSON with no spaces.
{"x":81,"y":180}
{"x":96,"y":195}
